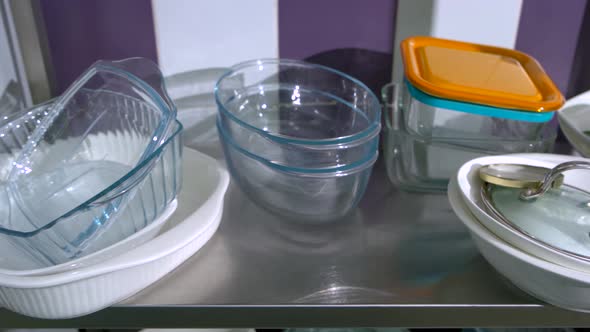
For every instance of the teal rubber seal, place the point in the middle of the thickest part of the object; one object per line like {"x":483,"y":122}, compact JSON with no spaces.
{"x":494,"y":112}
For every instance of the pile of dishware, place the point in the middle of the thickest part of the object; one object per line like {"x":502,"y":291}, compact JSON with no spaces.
{"x":299,"y":139}
{"x":528,"y":215}
{"x":73,"y":167}
{"x":575,"y":123}
{"x":460,"y":101}
{"x":88,"y":182}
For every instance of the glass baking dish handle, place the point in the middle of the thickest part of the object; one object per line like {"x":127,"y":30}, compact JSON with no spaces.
{"x":392,"y":102}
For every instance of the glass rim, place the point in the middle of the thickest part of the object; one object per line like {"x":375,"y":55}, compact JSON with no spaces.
{"x":374,"y":124}
{"x":336,"y":171}
{"x":161,"y":100}
{"x":449,"y":105}
{"x":141,"y":168}
{"x":545,"y":137}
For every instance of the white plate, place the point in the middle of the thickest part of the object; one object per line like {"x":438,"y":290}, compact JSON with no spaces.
{"x":85,"y":290}
{"x":574,"y":120}
{"x":552,"y":283}
{"x":470,"y":188}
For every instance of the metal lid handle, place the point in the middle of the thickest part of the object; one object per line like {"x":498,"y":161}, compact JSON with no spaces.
{"x":550,"y":177}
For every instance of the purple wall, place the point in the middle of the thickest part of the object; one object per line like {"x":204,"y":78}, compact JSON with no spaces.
{"x":343,"y":33}
{"x":81,"y":32}
{"x":580,"y":73}
{"x":308,"y":27}
{"x":549,"y":31}
{"x":353,"y":36}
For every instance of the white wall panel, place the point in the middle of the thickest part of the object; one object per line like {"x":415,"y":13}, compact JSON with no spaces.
{"x":479,"y":21}
{"x":213,"y":33}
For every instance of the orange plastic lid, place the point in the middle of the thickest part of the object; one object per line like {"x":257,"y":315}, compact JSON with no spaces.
{"x":481,"y":74}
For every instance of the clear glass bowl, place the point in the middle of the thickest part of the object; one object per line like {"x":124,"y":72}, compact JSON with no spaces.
{"x":110,"y":195}
{"x":298,"y":114}
{"x":332,"y":157}
{"x":419,"y":162}
{"x":299,"y":194}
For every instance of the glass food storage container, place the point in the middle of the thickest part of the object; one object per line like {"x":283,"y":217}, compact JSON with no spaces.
{"x":459,"y":101}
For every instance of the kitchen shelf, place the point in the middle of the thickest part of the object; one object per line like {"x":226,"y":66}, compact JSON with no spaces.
{"x":400,"y":260}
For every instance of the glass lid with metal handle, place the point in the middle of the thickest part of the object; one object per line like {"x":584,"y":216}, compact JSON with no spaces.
{"x":535,"y":202}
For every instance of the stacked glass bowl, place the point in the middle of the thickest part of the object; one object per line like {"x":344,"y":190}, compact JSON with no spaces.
{"x":300,"y":139}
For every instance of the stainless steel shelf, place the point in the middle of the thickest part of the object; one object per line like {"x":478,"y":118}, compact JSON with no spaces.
{"x":400,"y":260}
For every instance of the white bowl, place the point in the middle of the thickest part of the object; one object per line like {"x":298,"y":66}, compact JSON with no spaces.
{"x":88,"y":289}
{"x":470,"y":189}
{"x":574,"y":120}
{"x":552,"y":283}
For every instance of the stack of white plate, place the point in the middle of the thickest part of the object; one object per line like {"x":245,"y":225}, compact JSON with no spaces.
{"x":109,"y":276}
{"x":575,"y":123}
{"x":538,"y":269}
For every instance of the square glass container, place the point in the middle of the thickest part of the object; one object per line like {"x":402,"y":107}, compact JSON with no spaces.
{"x":419,"y":158}
{"x":460,"y":101}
